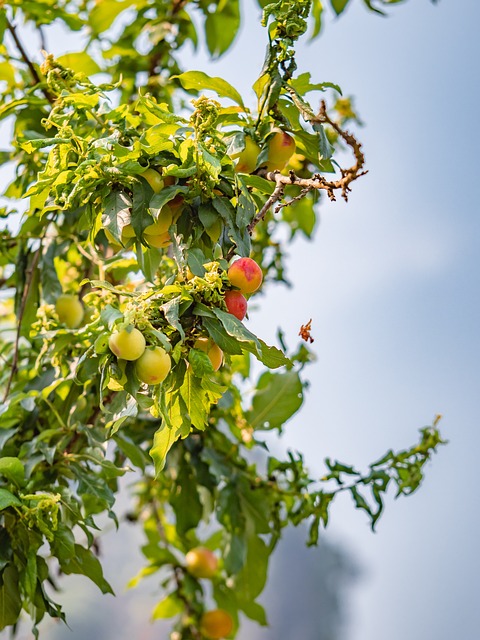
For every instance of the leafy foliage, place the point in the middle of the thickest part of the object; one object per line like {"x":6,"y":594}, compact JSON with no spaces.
{"x":134,"y":197}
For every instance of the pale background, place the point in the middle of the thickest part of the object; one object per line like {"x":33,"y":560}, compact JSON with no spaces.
{"x":391,"y":283}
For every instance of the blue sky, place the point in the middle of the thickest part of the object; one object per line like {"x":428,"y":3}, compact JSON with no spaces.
{"x":391,"y":283}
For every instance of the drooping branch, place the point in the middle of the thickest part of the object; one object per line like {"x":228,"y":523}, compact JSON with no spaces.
{"x":33,"y":72}
{"x":317,"y":181}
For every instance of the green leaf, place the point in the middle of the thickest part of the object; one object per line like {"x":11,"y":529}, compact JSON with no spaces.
{"x":317,"y":10}
{"x":29,"y":576}
{"x":171,"y":310}
{"x":225,"y":342}
{"x":10,"y":602}
{"x":222,"y":26}
{"x":269,"y":356}
{"x":339,"y":5}
{"x":249,"y":583}
{"x":63,"y":543}
{"x":163,"y":440}
{"x":13,"y":470}
{"x":236,"y":329}
{"x":7,"y":73}
{"x":300,"y":216}
{"x":199,"y":81}
{"x":104,"y":13}
{"x":195,"y":400}
{"x":85,"y":563}
{"x":186,"y":500}
{"x":7,"y":499}
{"x":272,"y":357}
{"x":241,"y":237}
{"x":135,"y":453}
{"x":195,"y":260}
{"x":200,"y":362}
{"x":168,"y":607}
{"x":325,"y":149}
{"x":255,"y":611}
{"x":79,"y":61}
{"x":51,"y":286}
{"x":117,"y":213}
{"x":165,"y":195}
{"x":277,"y":398}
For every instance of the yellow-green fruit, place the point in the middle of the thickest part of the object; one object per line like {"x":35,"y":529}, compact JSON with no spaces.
{"x":216,"y":624}
{"x":247,"y":159}
{"x":201,"y":563}
{"x":159,"y":242}
{"x":128,"y":231}
{"x":213,"y":351}
{"x":127,"y":345}
{"x":69,"y":310}
{"x":126,"y":237}
{"x":154,"y":179}
{"x":161,"y":224}
{"x":153,"y":366}
{"x":281,"y":148}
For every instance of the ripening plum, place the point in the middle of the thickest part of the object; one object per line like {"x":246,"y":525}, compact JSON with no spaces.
{"x":153,"y":366}
{"x":213,"y":351}
{"x":69,"y":310}
{"x":154,"y":179}
{"x":236,"y":304}
{"x":127,"y":344}
{"x":200,"y":562}
{"x":216,"y":624}
{"x":281,"y":147}
{"x":245,"y":274}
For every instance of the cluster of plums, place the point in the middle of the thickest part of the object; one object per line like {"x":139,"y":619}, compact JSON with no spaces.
{"x":200,"y":562}
{"x":246,"y":276}
{"x":152,"y":364}
{"x":155,"y":234}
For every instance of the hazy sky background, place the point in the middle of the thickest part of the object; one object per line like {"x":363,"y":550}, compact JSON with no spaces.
{"x":391,"y":283}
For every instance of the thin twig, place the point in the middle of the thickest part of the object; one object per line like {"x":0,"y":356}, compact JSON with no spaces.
{"x":36,"y":78}
{"x":317,"y":181}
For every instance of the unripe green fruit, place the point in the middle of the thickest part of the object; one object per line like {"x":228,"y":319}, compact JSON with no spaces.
{"x":127,"y":345}
{"x":213,"y":351}
{"x":216,"y":624}
{"x":153,"y":366}
{"x":247,"y":159}
{"x":154,"y":179}
{"x":69,"y":310}
{"x":201,"y":563}
{"x":245,"y":274}
{"x":281,"y":147}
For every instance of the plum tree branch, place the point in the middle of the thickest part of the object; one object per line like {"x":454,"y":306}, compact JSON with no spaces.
{"x":317,"y":181}
{"x":33,"y":72}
